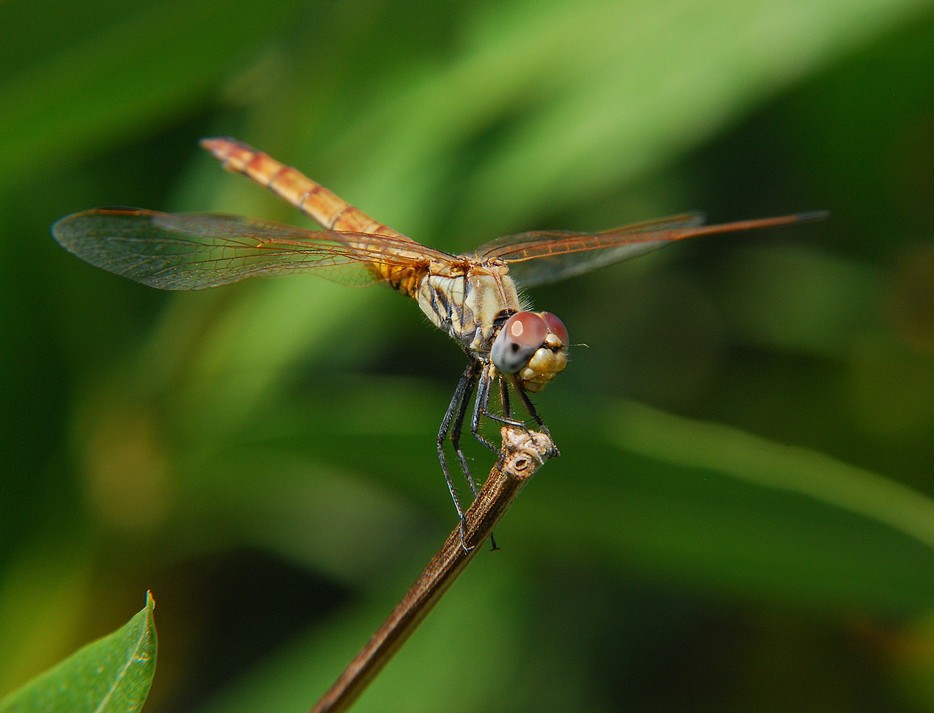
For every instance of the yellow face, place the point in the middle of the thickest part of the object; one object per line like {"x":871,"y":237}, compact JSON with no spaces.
{"x":533,"y":346}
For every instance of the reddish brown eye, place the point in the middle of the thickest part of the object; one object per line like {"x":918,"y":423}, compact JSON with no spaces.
{"x":517,"y":341}
{"x":527,"y":329}
{"x":556,"y":327}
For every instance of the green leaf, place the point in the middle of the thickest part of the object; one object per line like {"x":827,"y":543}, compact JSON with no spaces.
{"x":112,"y":674}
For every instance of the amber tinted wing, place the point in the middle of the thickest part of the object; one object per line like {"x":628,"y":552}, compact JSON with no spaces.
{"x":540,"y":257}
{"x":193,"y":251}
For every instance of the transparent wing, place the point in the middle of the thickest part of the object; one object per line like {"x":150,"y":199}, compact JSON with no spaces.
{"x":193,"y":251}
{"x":540,"y":257}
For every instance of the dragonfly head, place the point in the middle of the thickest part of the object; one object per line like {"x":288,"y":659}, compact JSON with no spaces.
{"x":533,"y":346}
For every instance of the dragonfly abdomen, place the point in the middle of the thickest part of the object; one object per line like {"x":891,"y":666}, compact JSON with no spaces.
{"x":314,"y":200}
{"x":402,"y":279}
{"x":321,"y":205}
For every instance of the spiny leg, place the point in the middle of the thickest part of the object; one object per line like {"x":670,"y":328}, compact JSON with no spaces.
{"x":454,"y":416}
{"x":529,"y":406}
{"x":504,"y":396}
{"x":457,"y":427}
{"x":481,"y":409}
{"x":533,"y":412}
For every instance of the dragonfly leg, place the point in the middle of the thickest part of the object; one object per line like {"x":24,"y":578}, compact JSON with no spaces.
{"x":482,"y":409}
{"x":457,"y":427}
{"x":451,"y":425}
{"x":530,"y":407}
{"x":504,"y":396}
{"x":533,"y":412}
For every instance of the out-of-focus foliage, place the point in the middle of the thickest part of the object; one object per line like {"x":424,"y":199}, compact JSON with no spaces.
{"x":742,"y":516}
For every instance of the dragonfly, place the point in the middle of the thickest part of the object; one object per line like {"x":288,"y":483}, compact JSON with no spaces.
{"x":474,"y":298}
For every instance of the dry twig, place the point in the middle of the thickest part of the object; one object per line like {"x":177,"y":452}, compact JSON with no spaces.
{"x":521,"y":455}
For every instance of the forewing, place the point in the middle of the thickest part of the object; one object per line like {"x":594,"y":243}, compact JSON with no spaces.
{"x":540,"y":257}
{"x":193,"y":251}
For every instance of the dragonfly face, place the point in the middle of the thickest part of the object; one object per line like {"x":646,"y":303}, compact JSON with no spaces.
{"x":471,"y":297}
{"x":533,"y":346}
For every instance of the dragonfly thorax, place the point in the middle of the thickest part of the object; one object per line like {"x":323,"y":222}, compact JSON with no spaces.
{"x":533,"y":346}
{"x":467,"y":303}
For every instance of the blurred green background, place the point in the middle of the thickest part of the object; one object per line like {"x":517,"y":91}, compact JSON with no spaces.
{"x":741,"y":518}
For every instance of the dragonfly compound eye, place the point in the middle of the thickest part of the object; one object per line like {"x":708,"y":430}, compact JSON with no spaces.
{"x":517,"y":341}
{"x":556,"y":327}
{"x":533,"y":346}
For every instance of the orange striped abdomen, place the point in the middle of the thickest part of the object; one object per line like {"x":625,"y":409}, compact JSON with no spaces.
{"x":321,"y":205}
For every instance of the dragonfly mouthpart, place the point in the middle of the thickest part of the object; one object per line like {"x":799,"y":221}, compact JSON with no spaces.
{"x":533,"y":346}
